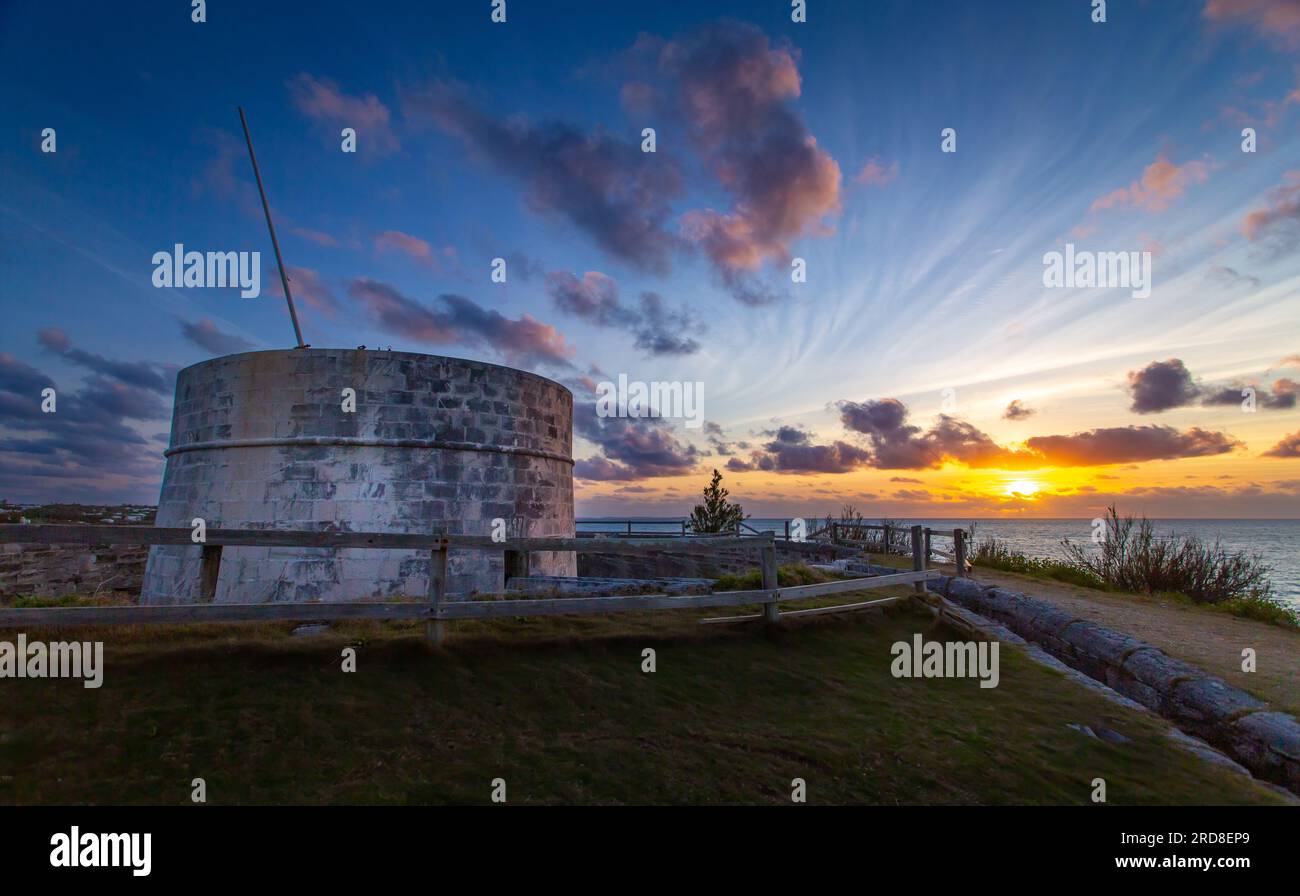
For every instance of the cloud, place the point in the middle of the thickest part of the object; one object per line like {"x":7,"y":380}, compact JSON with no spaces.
{"x":1284,"y":394}
{"x":898,"y":445}
{"x":732,"y":88}
{"x":85,"y":448}
{"x":1288,"y":447}
{"x":1161,"y":385}
{"x":416,"y":248}
{"x":1129,"y":444}
{"x":594,"y":298}
{"x":1279,"y":221}
{"x":895,"y":444}
{"x":455,"y":319}
{"x":631,"y":447}
{"x":524,"y":267}
{"x":602,"y":185}
{"x":1277,"y":20}
{"x":905,"y":479}
{"x":1282,"y":398}
{"x":205,"y":335}
{"x":306,"y":285}
{"x":876,"y":174}
{"x":322,"y":101}
{"x":1230,"y":277}
{"x":1288,"y":361}
{"x":318,"y":237}
{"x":141,"y":374}
{"x":793,"y":451}
{"x":1017,"y":410}
{"x":1161,"y":183}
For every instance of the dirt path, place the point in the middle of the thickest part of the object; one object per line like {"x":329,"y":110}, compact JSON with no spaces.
{"x":1206,"y":638}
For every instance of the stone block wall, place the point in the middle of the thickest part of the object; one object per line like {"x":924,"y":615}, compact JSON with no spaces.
{"x":261,"y":440}
{"x":668,"y":564}
{"x":43,"y":570}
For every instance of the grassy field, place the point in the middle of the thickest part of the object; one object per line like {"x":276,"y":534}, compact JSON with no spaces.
{"x":560,"y":709}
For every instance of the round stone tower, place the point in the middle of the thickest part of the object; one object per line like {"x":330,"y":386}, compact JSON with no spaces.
{"x":363,"y":441}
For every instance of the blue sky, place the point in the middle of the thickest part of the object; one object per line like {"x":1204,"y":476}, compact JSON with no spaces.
{"x":522,"y":140}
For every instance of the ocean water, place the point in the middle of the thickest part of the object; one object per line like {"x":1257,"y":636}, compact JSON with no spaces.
{"x":1276,"y":541}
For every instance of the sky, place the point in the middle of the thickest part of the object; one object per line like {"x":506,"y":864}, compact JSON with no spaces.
{"x":920,"y":367}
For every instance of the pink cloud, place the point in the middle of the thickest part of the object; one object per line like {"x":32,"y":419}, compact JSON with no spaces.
{"x":322,"y":101}
{"x":1161,"y":183}
{"x":874,"y":174}
{"x":1281,"y":218}
{"x":1275,"y":19}
{"x":442,"y":258}
{"x":318,"y":237}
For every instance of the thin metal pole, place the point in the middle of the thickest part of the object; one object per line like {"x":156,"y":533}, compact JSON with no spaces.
{"x":275,"y":243}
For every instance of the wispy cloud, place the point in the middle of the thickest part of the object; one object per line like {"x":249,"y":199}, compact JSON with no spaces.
{"x":321,"y":100}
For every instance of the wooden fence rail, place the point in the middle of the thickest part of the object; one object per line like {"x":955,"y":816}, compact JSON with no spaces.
{"x":436,"y":609}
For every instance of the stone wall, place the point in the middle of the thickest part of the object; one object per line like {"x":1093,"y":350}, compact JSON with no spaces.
{"x":669,"y":564}
{"x":1265,"y":741}
{"x":261,"y":440}
{"x":42,"y":570}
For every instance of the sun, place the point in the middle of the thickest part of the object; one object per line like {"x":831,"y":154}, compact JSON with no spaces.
{"x":1024,"y":488}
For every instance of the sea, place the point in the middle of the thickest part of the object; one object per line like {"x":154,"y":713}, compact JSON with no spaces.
{"x":1276,"y":541}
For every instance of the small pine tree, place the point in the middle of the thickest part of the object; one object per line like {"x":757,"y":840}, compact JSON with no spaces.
{"x":716,"y":514}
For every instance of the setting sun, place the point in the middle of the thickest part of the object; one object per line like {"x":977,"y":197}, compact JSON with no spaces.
{"x":1025,"y":488}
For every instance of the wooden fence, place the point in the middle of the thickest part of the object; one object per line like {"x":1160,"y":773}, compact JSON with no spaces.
{"x":861,"y":534}
{"x":436,"y":609}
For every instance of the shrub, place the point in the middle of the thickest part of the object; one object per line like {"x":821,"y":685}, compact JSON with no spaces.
{"x":1132,"y":557}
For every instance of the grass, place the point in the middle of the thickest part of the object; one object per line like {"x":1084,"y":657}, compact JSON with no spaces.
{"x":559,"y":708}
{"x":994,"y":553}
{"x":786,"y":576}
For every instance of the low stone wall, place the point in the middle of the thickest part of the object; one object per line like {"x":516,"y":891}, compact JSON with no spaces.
{"x":583,"y":586}
{"x":1265,"y":741}
{"x":43,"y":570}
{"x":669,"y":564}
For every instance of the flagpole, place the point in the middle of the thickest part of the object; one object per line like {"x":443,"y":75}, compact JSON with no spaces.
{"x":284,"y":280}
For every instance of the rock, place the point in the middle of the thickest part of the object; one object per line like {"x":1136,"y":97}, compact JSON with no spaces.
{"x":1112,"y":737}
{"x":1213,"y":700}
{"x":310,"y":628}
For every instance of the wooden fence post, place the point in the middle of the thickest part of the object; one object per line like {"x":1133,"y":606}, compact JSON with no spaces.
{"x":918,"y":558}
{"x":959,"y":548}
{"x":771,"y":612}
{"x":209,"y":570}
{"x":888,"y":537}
{"x":927,"y":547}
{"x":435,"y":630}
{"x":517,"y":565}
